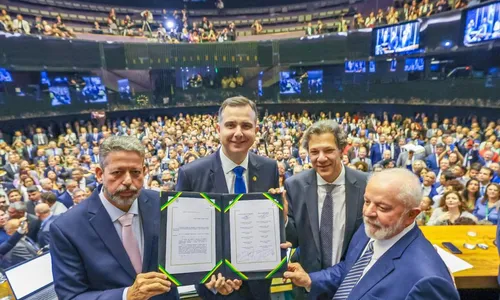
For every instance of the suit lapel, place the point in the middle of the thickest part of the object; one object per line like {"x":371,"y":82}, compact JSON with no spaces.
{"x":352,"y":198}
{"x":217,"y":176}
{"x":146,"y":210}
{"x":311,"y":190}
{"x":101,"y":222}
{"x":384,"y":265}
{"x":253,"y":170}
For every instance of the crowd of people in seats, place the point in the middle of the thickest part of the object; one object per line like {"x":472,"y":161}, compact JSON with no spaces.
{"x":46,"y":171}
{"x":38,"y":26}
{"x":173,"y":27}
{"x":405,"y":10}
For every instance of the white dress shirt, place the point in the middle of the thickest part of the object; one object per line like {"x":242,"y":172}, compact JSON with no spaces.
{"x":339,"y":211}
{"x":115,"y":213}
{"x":380,"y":247}
{"x":58,"y":208}
{"x":426,"y":190}
{"x":228,"y":166}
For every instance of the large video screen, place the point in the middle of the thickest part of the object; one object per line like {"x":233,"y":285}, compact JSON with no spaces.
{"x":5,"y":76}
{"x":355,"y":66}
{"x":482,"y":24}
{"x":414,"y":64}
{"x":315,"y":81}
{"x":289,"y":83}
{"x":124,"y":89}
{"x":94,"y":91}
{"x":59,"y":95}
{"x":401,"y":38}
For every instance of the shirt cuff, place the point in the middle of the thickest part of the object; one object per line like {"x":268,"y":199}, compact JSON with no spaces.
{"x":20,"y":230}
{"x":124,"y":295}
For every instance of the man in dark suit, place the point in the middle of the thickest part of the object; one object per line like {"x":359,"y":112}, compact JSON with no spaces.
{"x":95,"y":155}
{"x":29,"y":151}
{"x":321,"y":222}
{"x":381,"y":260}
{"x":432,"y":159}
{"x":35,"y":198}
{"x":66,"y":197}
{"x":40,"y":156}
{"x":94,"y":256}
{"x":377,"y":149}
{"x":96,"y":137}
{"x":44,"y":214}
{"x":221,"y":171}
{"x":17,"y":210}
{"x":12,"y":167}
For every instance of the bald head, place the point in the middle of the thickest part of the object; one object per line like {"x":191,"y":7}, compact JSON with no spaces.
{"x":400,"y":184}
{"x":12,"y":226}
{"x":42,"y":211}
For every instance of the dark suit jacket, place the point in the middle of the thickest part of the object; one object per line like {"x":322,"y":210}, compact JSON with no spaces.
{"x":33,"y":226}
{"x":88,"y":257}
{"x":375,"y":154}
{"x":395,"y":275}
{"x":10,"y":176}
{"x":26,"y":153}
{"x":206,"y":175}
{"x":30,"y":207}
{"x":66,"y":199}
{"x":303,"y":230}
{"x":44,"y":233}
{"x":432,"y":163}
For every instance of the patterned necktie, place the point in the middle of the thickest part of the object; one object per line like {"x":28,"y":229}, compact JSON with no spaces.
{"x":130,"y":242}
{"x":326,"y":228}
{"x":239,"y":182}
{"x":354,"y":274}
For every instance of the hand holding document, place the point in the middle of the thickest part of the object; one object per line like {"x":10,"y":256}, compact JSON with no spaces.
{"x":255,"y":235}
{"x":191,"y":236}
{"x":221,"y":239}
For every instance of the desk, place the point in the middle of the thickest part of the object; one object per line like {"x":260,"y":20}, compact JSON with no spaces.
{"x":485,"y":262}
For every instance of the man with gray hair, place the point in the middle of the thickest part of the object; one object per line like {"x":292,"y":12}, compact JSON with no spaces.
{"x":107,"y":246}
{"x":381,"y":260}
{"x":324,"y":203}
{"x":18,"y":210}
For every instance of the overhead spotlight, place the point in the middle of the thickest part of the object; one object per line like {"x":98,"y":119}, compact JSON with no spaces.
{"x":447,"y":44}
{"x":170,"y":24}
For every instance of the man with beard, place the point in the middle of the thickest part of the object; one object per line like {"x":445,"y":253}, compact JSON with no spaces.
{"x":232,"y":169}
{"x":107,"y":246}
{"x":383,"y":257}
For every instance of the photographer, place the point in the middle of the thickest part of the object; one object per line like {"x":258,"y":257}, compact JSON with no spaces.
{"x":147,"y":20}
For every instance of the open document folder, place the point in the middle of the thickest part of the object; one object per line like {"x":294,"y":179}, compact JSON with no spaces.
{"x":236,"y":235}
{"x":453,"y":263}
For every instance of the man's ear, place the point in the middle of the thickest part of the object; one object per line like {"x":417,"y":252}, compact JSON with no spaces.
{"x":99,"y":174}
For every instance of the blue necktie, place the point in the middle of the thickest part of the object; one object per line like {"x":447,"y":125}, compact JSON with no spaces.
{"x":354,"y":274}
{"x":239,"y":183}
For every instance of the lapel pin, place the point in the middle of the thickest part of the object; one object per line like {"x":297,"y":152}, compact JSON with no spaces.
{"x":254,"y":178}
